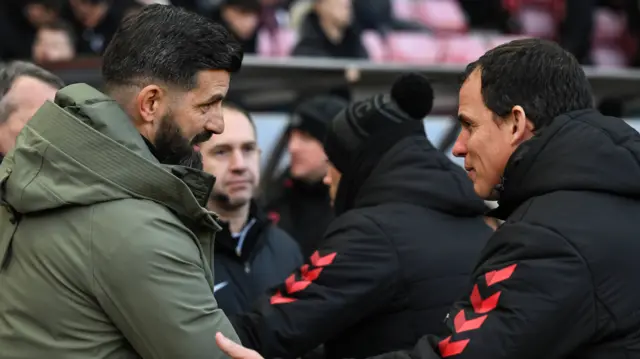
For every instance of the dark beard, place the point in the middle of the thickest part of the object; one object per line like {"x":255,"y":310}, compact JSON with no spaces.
{"x":172,"y":148}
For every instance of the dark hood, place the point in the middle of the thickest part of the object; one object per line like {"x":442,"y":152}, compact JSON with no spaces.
{"x":413,"y":171}
{"x":579,"y":151}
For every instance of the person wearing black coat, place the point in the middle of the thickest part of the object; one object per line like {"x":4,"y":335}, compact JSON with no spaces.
{"x":557,"y":280}
{"x":251,"y":254}
{"x":407,"y":233}
{"x":249,"y":263}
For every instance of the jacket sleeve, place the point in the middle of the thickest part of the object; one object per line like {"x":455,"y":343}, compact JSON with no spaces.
{"x":532,"y":298}
{"x":350,"y":276}
{"x":149,"y":279}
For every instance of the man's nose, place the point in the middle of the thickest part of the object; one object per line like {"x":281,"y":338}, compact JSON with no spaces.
{"x":238,"y":162}
{"x":460,"y":146}
{"x":215,"y":123}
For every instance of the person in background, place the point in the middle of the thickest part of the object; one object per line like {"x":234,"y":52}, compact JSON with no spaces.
{"x":328,"y":30}
{"x":299,"y":201}
{"x":19,"y":23}
{"x":95,"y":22}
{"x":251,"y":253}
{"x":242,"y":19}
{"x":407,"y":233}
{"x":105,"y":241}
{"x":54,"y":42}
{"x":559,"y":278}
{"x":24,"y":87}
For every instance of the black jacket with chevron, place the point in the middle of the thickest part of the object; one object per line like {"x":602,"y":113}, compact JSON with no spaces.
{"x":559,"y":279}
{"x":386,"y":271}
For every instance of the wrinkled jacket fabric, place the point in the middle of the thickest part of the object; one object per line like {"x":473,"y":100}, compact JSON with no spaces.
{"x":104,"y":252}
{"x":558,"y":280}
{"x":387,"y":268}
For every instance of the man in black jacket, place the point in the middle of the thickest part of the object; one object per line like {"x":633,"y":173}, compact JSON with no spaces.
{"x":299,"y":200}
{"x":408,"y":231}
{"x":251,"y":253}
{"x":558,"y":278}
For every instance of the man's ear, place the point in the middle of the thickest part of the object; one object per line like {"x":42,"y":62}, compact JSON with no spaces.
{"x":150,"y":103}
{"x":521,"y":127}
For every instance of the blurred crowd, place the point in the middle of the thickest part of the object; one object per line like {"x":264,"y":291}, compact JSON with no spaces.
{"x":597,"y":32}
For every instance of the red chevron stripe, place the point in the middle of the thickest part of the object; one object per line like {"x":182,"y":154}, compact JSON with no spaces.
{"x":461,"y":323}
{"x":307,"y":276}
{"x":448,"y":348}
{"x":279,"y":299}
{"x":500,"y":275}
{"x":318,"y":261}
{"x":294,"y":285}
{"x":482,"y":306}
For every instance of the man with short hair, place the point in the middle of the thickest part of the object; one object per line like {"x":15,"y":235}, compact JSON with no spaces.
{"x":558,"y":278}
{"x":251,"y":253}
{"x":299,"y":200}
{"x":24,"y":87}
{"x":105,"y":244}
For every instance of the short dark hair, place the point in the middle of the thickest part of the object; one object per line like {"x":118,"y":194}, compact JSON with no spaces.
{"x":170,"y":44}
{"x":252,"y":6}
{"x":53,"y":5}
{"x":536,"y":74}
{"x":11,"y":71}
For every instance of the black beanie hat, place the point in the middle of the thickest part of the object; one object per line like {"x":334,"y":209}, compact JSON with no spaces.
{"x":315,"y":114}
{"x":410,"y":100}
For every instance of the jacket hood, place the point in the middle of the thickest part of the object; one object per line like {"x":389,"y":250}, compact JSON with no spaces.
{"x":83,"y":149}
{"x":413,"y":171}
{"x":579,"y":151}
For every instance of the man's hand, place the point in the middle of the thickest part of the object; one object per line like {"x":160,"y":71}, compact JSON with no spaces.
{"x":235,"y":351}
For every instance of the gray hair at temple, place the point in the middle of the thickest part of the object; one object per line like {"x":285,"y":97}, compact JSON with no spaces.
{"x":11,"y":71}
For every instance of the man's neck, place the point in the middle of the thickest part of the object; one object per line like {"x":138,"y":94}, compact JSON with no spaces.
{"x":333,"y":32}
{"x":236,"y":218}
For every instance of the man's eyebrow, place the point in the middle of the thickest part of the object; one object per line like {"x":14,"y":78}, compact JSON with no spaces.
{"x":215,"y":98}
{"x":463,"y":118}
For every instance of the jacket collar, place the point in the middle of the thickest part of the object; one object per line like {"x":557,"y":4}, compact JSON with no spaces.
{"x":244,"y":245}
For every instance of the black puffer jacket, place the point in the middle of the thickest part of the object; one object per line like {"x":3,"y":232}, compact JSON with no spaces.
{"x":388,"y":267}
{"x":247,"y":264}
{"x":558,"y":280}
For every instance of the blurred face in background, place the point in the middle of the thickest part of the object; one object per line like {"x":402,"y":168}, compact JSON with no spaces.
{"x":308,"y":160}
{"x":233,"y":157}
{"x":332,"y":179}
{"x":22,"y":101}
{"x":243,"y":22}
{"x":337,"y":12}
{"x":39,"y":14}
{"x":89,"y":13}
{"x":53,"y":45}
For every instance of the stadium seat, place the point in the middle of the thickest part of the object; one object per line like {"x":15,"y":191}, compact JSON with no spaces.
{"x":462,"y":49}
{"x":442,"y":15}
{"x":414,"y":48}
{"x":609,"y":26}
{"x":375,"y":46}
{"x":404,"y":9}
{"x":608,"y":56}
{"x":537,"y":22}
{"x":284,"y":42}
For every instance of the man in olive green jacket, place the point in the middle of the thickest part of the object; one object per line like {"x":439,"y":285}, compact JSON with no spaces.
{"x":105,"y":246}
